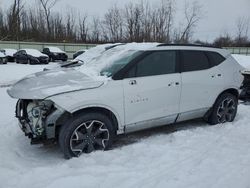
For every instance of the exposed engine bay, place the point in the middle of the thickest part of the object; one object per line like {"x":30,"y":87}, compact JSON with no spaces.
{"x":38,"y":119}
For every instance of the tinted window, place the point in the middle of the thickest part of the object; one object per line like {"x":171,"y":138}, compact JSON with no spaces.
{"x":21,"y":52}
{"x":194,"y":61}
{"x":156,"y":63}
{"x":46,"y":50}
{"x":215,"y":58}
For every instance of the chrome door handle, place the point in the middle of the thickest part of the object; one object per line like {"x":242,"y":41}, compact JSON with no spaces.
{"x":132,"y":82}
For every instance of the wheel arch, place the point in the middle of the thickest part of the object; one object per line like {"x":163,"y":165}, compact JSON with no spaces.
{"x":232,"y":91}
{"x":101,"y":109}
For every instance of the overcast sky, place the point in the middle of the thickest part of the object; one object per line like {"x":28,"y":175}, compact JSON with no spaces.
{"x":219,"y":16}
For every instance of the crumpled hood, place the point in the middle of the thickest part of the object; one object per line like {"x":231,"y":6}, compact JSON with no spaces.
{"x":48,"y":83}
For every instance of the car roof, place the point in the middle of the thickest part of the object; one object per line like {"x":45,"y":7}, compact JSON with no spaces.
{"x":195,"y":47}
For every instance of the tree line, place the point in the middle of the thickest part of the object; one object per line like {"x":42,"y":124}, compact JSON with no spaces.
{"x":133,"y":22}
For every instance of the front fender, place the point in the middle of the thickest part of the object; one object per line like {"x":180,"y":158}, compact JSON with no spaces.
{"x":108,"y":99}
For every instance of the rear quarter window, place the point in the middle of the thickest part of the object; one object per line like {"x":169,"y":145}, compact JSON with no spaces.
{"x":215,"y":58}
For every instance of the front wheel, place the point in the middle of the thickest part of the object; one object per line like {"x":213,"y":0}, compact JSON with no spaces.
{"x":224,"y":109}
{"x":86,"y":133}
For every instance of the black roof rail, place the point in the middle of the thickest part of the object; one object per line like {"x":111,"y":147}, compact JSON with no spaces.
{"x":194,"y":45}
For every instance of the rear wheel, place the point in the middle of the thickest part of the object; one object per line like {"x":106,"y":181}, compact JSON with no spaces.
{"x":86,"y":133}
{"x":224,"y":109}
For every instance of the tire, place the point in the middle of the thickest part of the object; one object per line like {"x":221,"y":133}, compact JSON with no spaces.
{"x":224,"y":109}
{"x":85,"y":133}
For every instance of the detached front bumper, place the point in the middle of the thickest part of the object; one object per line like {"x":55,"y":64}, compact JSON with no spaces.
{"x":38,"y":119}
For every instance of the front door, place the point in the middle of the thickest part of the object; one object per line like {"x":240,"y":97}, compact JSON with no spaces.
{"x":152,"y":91}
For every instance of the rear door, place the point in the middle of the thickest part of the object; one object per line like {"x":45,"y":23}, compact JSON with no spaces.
{"x":201,"y":83}
{"x":152,"y":91}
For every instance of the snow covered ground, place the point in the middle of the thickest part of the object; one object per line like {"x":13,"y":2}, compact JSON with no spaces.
{"x":190,"y":154}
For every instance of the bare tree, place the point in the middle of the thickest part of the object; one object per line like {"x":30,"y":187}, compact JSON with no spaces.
{"x":47,"y":6}
{"x":224,"y":40}
{"x":242,"y":25}
{"x":192,"y":17}
{"x":133,"y":22}
{"x":113,"y":24}
{"x":147,"y":21}
{"x":70,"y":26}
{"x":14,"y":18}
{"x":163,"y":20}
{"x":83,"y":28}
{"x":95,"y":35}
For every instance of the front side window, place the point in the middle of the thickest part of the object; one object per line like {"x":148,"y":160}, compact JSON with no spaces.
{"x":194,"y":60}
{"x":155,"y":63}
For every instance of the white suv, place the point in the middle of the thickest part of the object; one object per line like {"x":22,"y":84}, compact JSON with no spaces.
{"x":139,"y":86}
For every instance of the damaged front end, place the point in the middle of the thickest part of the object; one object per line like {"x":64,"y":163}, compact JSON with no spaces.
{"x":39,"y":119}
{"x":245,"y":93}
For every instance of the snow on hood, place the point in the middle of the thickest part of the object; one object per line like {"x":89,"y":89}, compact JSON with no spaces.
{"x":2,"y":54}
{"x":34,"y":52}
{"x":55,"y":49}
{"x":48,"y":83}
{"x":9,"y":52}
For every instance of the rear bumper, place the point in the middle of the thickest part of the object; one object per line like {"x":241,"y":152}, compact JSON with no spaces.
{"x":62,"y":57}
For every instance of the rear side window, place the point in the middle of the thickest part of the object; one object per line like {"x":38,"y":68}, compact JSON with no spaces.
{"x":194,"y":60}
{"x":156,"y":63}
{"x":215,"y":58}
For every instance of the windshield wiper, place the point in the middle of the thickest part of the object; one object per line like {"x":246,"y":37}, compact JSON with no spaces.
{"x":73,"y":63}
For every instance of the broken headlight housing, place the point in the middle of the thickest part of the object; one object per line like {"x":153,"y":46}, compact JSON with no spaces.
{"x":32,"y":115}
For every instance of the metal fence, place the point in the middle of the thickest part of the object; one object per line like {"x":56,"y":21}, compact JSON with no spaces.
{"x":239,"y":50}
{"x":69,"y":48}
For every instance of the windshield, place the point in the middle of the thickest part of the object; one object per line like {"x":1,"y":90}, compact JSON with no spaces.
{"x":114,"y":59}
{"x":93,"y":53}
{"x":109,"y":63}
{"x":119,"y":63}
